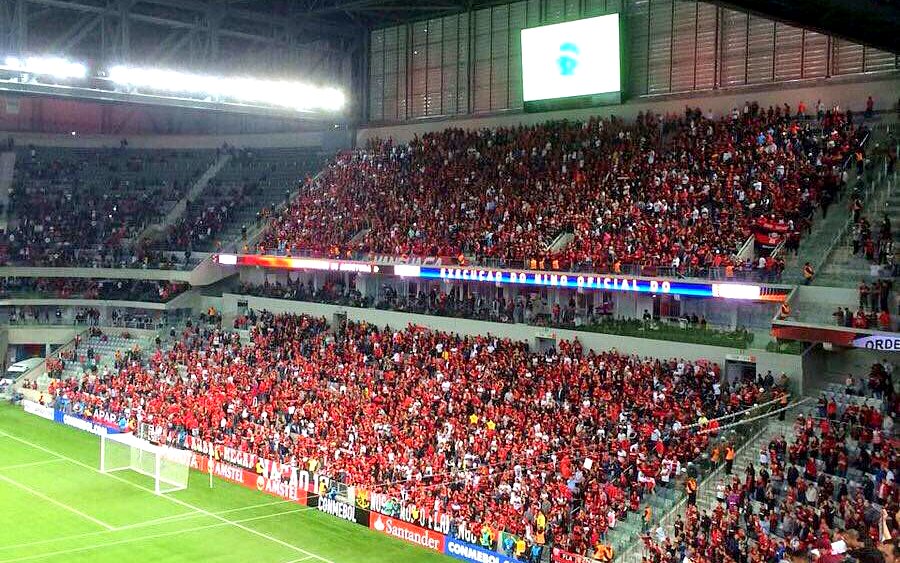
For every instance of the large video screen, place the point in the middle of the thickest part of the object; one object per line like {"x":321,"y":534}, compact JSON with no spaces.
{"x":572,"y":59}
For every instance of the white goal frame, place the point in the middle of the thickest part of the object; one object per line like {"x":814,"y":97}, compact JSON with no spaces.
{"x":168,"y":467}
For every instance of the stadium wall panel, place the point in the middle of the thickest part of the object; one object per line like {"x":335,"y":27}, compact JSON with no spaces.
{"x":670,"y":46}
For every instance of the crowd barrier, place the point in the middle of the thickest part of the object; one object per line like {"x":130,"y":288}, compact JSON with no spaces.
{"x":429,"y":531}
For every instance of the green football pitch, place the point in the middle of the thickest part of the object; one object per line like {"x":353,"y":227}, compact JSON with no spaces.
{"x":55,"y":505}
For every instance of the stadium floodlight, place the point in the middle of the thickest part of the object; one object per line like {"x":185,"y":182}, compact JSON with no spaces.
{"x":293,"y":95}
{"x":57,"y":67}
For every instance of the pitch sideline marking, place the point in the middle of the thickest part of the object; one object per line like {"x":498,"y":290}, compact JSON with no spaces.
{"x":152,"y":536}
{"x":62,"y":505}
{"x":32,"y":464}
{"x":179,"y":517}
{"x":172,"y":499}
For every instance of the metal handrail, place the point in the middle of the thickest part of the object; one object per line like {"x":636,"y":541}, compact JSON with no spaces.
{"x":760,"y":425}
{"x":870,"y":188}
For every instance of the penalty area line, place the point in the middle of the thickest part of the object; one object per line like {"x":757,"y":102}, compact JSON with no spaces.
{"x":32,"y":464}
{"x":169,"y":498}
{"x":175,"y":518}
{"x":53,"y":501}
{"x":148,"y":537}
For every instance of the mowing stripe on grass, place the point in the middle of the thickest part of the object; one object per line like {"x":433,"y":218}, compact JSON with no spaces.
{"x":151,"y":536}
{"x":170,"y":498}
{"x":32,"y":464}
{"x":196,"y":514}
{"x":157,"y":521}
{"x":62,"y":505}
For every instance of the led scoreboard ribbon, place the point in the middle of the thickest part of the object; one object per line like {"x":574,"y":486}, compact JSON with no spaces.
{"x":585,"y":281}
{"x":596,"y":282}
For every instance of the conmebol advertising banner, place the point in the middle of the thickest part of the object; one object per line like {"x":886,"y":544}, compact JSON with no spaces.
{"x":472,"y":553}
{"x":339,"y":509}
{"x":407,"y":532}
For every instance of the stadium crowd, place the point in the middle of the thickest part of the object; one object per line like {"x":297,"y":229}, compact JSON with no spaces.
{"x":672,"y":193}
{"x":526,"y":308}
{"x":874,"y":309}
{"x":829,"y":486}
{"x":84,"y":207}
{"x":678,"y":192}
{"x":203,"y":220}
{"x":88,"y":288}
{"x":476,"y":427}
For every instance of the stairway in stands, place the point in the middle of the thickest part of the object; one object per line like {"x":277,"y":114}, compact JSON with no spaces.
{"x":195,"y":192}
{"x":7,"y":171}
{"x":275,"y":174}
{"x":706,"y":491}
{"x":628,"y":530}
{"x":828,"y":247}
{"x":843,"y":268}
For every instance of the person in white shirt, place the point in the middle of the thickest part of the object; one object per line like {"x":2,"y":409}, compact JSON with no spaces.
{"x":720,"y":491}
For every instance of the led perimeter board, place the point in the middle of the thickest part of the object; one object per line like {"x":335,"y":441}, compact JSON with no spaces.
{"x":572,"y":64}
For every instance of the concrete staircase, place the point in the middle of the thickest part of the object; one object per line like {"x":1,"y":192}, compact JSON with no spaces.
{"x":706,"y":491}
{"x":815,"y":245}
{"x":7,"y":171}
{"x":196,"y":190}
{"x":748,"y":454}
{"x":270,"y":177}
{"x":829,"y":247}
{"x":560,"y":243}
{"x":844,"y":269}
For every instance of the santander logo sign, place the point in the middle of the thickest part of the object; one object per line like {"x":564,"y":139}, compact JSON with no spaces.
{"x":406,"y":532}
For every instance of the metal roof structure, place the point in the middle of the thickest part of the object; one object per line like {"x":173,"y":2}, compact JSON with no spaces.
{"x":307,"y":36}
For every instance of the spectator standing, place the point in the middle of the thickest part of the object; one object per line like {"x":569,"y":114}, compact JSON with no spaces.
{"x":808,"y":273}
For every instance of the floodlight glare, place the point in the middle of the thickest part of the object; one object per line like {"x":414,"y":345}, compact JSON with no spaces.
{"x":56,"y":67}
{"x":293,"y":95}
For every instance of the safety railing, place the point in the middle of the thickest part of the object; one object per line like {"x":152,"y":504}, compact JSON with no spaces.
{"x":880,"y":177}
{"x":745,"y":435}
{"x":740,"y":273}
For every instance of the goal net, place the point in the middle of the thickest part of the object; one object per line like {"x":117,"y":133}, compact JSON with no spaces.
{"x":168,"y":467}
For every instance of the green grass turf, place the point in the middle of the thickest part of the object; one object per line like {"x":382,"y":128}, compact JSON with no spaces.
{"x":56,"y":506}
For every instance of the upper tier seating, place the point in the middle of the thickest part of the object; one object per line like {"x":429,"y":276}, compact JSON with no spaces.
{"x":241,"y":195}
{"x":679,"y":194}
{"x":81,"y":206}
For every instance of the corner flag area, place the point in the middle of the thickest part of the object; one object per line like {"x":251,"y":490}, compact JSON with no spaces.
{"x":56,"y":505}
